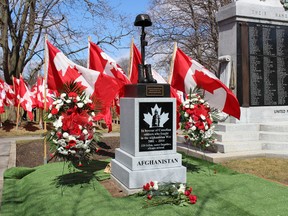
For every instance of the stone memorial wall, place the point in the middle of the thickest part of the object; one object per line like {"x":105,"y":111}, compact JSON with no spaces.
{"x":268,"y":63}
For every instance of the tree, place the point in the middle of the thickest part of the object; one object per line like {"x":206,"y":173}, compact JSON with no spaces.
{"x":190,"y":23}
{"x":23,"y":24}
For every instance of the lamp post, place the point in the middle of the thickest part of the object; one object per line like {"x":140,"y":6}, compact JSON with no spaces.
{"x":144,"y":71}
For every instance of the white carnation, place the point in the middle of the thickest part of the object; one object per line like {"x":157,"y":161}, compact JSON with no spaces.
{"x":70,"y":137}
{"x":181,"y":188}
{"x":202,"y":117}
{"x":65,"y":135}
{"x":155,"y":187}
{"x":80,"y":104}
{"x":87,"y":150}
{"x":63,"y":95}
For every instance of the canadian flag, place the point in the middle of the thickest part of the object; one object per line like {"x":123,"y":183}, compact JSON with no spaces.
{"x":24,"y":96}
{"x":100,"y":61}
{"x":38,"y":94}
{"x":2,"y":96}
{"x":61,"y":70}
{"x":10,"y":94}
{"x":187,"y":74}
{"x":135,"y":61}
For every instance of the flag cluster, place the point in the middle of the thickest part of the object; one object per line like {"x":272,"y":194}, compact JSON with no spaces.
{"x":104,"y":80}
{"x":20,"y":95}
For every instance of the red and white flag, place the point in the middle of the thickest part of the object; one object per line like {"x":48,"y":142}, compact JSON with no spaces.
{"x":24,"y":96}
{"x":38,"y":94}
{"x":100,"y":61}
{"x":61,"y":70}
{"x":187,"y":74}
{"x":10,"y":94}
{"x":2,"y":96}
{"x":135,"y":61}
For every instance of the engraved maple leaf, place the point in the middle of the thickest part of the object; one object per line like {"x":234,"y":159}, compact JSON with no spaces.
{"x":164,"y":117}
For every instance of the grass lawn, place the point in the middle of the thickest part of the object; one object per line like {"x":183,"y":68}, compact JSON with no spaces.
{"x":220,"y":191}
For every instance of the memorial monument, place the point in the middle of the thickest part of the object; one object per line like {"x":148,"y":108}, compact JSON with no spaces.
{"x":148,"y":130}
{"x":257,"y":34}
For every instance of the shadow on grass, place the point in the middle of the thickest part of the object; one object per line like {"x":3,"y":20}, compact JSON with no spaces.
{"x":8,"y":126}
{"x":106,"y":153}
{"x":103,"y":145}
{"x":85,"y":174}
{"x":30,"y":126}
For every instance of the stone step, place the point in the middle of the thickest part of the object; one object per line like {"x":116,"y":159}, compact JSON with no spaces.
{"x":280,"y":146}
{"x":237,"y":136}
{"x":229,"y":147}
{"x":273,"y":136}
{"x":220,"y":157}
{"x":230,"y":127}
{"x":281,"y":127}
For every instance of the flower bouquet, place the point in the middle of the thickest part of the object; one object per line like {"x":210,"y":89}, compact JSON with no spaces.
{"x":198,"y":120}
{"x":74,"y":135}
{"x":167,"y":193}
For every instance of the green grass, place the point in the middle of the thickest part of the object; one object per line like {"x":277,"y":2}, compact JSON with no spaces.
{"x":220,"y":191}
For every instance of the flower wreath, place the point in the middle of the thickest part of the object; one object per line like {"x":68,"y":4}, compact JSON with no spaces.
{"x":198,"y":120}
{"x":74,"y":124}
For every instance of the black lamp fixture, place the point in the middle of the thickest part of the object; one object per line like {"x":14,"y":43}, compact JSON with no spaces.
{"x":144,"y":71}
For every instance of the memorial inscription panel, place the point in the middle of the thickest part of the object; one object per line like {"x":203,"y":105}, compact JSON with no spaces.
{"x":268,"y":64}
{"x":155,"y":126}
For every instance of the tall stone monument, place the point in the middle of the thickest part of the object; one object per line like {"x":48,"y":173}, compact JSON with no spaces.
{"x":148,"y":130}
{"x":255,"y":34}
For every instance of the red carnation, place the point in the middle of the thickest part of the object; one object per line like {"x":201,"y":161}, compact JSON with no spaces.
{"x":75,"y":131}
{"x":152,"y":184}
{"x":193,"y":199}
{"x":149,"y":196}
{"x":187,"y":192}
{"x":54,"y":111}
{"x":71,"y":144}
{"x":59,"y":134}
{"x":72,"y":94}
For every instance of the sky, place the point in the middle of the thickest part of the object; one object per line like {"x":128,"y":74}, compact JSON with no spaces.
{"x":131,"y":8}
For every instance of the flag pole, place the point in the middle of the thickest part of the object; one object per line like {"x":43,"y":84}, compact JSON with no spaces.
{"x":130,"y":59}
{"x":45,"y":98}
{"x":18,"y":106}
{"x":88,"y":60}
{"x":40,"y":111}
{"x":172,"y":62}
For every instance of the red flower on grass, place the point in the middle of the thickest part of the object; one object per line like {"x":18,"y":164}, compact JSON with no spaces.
{"x":193,"y":199}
